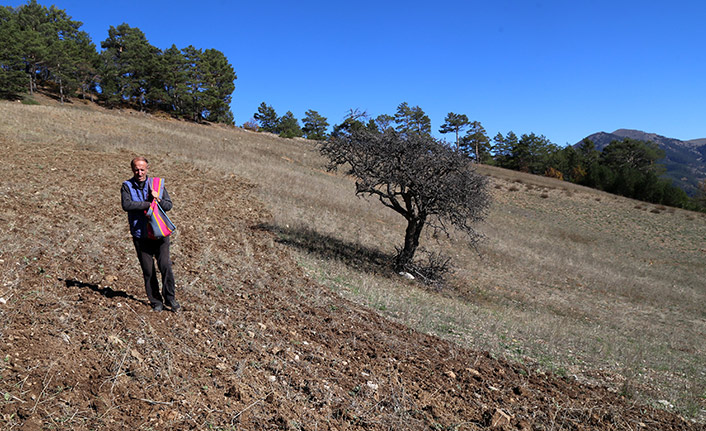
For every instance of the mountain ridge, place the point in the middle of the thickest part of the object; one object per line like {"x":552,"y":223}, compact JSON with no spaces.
{"x":685,"y":161}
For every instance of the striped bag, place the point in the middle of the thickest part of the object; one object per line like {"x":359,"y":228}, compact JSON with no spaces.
{"x":159,"y":224}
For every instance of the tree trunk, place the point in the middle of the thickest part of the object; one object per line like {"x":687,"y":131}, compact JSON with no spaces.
{"x":61,"y":90}
{"x":411,"y":242}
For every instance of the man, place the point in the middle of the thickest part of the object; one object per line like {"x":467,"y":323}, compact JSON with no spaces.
{"x":136,"y":198}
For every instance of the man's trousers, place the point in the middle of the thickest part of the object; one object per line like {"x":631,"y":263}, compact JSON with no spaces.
{"x":149,"y":250}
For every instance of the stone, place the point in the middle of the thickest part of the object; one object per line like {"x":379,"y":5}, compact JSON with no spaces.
{"x":500,"y":419}
{"x":473,"y":372}
{"x":407,"y":275}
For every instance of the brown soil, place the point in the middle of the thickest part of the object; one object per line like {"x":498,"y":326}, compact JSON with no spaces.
{"x":257,"y":345}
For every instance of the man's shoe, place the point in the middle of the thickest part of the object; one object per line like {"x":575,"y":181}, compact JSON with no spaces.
{"x":174,"y":306}
{"x":157,"y":308}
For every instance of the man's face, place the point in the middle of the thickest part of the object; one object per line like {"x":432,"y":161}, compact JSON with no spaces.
{"x":139,"y":170}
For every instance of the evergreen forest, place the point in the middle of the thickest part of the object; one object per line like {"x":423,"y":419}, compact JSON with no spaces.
{"x":44,"y":48}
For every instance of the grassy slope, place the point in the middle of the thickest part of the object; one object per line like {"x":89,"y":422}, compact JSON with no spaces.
{"x":577,"y":281}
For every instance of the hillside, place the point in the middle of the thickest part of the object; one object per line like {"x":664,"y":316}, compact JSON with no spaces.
{"x":685,"y":161}
{"x":277,"y":267}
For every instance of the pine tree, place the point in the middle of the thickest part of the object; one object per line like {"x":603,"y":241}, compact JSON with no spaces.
{"x":503,"y":149}
{"x":384,"y":121}
{"x":87,"y":64}
{"x":412,"y":120}
{"x":314,"y":126}
{"x":219,"y":84}
{"x":194,"y":82}
{"x":174,"y":75}
{"x":63,"y":39}
{"x":476,"y":142}
{"x":288,"y":126}
{"x":454,"y":123}
{"x":129,"y":66}
{"x":12,"y":76}
{"x":50,"y":46}
{"x":267,"y":117}
{"x":32,"y":23}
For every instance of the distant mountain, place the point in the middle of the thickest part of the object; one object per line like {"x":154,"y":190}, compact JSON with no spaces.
{"x":697,"y":141}
{"x":685,"y":160}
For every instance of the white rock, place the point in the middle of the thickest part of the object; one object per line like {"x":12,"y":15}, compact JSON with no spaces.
{"x":372,"y":385}
{"x":407,"y":275}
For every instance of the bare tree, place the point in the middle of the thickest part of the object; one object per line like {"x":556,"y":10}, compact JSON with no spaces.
{"x":415,"y":175}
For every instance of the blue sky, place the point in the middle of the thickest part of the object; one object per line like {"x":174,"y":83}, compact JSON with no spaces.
{"x":560,"y":68}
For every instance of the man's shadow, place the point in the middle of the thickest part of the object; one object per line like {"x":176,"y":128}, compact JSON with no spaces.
{"x":105,"y":291}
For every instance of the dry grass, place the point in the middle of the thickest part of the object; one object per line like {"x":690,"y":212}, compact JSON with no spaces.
{"x":576,"y":281}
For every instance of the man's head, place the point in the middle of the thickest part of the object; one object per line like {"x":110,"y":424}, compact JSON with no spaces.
{"x":140,"y":167}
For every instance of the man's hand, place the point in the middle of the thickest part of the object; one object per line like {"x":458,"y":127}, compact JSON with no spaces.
{"x":155,"y":195}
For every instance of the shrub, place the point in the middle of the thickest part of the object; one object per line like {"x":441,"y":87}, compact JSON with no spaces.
{"x":251,"y":124}
{"x":29,"y":100}
{"x":554,"y":173}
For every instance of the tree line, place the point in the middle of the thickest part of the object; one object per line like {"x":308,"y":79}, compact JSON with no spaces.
{"x":287,"y":126}
{"x":625,"y":167}
{"x":44,"y":47}
{"x":629,"y":167}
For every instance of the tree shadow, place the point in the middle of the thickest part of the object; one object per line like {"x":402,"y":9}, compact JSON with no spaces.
{"x":53,"y":93}
{"x":327,"y":247}
{"x":105,"y":291}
